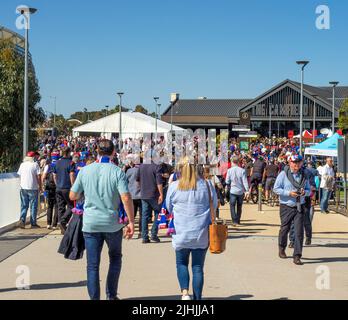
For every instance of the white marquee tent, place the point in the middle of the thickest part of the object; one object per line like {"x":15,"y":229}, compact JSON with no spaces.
{"x":134,"y":124}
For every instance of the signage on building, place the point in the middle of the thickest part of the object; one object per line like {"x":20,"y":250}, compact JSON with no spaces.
{"x":240,"y":128}
{"x":251,"y":134}
{"x":280,"y":110}
{"x":244,"y":119}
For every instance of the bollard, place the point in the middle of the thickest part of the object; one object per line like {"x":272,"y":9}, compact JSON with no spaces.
{"x":260,"y":197}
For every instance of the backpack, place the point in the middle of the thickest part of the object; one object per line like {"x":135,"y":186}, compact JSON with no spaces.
{"x":49,"y":183}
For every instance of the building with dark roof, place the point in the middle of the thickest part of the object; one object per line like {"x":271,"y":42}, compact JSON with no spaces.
{"x":277,"y":109}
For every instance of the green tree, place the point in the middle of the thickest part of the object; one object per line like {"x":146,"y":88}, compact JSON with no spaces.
{"x":343,"y":117}
{"x":63,"y":126}
{"x":139,"y":108}
{"x":11,"y":106}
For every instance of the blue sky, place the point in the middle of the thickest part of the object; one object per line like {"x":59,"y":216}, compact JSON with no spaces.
{"x":86,"y":51}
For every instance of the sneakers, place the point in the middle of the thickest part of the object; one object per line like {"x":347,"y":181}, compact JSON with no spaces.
{"x":156,"y":239}
{"x":308,"y":242}
{"x":49,"y":227}
{"x":145,"y":241}
{"x":297,"y":261}
{"x":35,"y":226}
{"x":21,"y":224}
{"x":185,"y":298}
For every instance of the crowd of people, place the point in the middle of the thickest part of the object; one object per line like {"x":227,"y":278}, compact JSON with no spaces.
{"x":86,"y":175}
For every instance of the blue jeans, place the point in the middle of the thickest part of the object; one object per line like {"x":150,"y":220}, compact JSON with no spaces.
{"x":94,"y":245}
{"x":324,"y":202}
{"x":182,"y":261}
{"x":236,"y":200}
{"x":147,"y":207}
{"x":29,"y":198}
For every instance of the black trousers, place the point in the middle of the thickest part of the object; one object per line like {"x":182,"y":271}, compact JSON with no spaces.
{"x":52,"y":210}
{"x":307,"y":221}
{"x":287,"y":216}
{"x":137,"y":206}
{"x":65,"y":205}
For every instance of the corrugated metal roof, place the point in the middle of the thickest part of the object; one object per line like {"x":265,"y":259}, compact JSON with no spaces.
{"x":208,"y":107}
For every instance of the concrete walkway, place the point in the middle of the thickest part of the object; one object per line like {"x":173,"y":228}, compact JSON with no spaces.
{"x":249,"y":269}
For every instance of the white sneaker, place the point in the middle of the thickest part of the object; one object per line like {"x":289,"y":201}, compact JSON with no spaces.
{"x":186,"y":297}
{"x":49,"y":227}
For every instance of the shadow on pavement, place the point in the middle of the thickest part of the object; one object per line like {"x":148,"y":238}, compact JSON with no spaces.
{"x":331,"y":232}
{"x":324,"y":260}
{"x":29,"y":237}
{"x":178,"y":297}
{"x":238,"y":236}
{"x":330,"y":245}
{"x":261,"y":225}
{"x":50,"y":286}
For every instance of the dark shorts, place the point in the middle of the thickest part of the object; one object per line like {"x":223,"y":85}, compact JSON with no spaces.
{"x":255,"y":179}
{"x":270,"y":183}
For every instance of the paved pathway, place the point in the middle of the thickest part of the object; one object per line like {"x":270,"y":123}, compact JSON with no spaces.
{"x":249,"y":269}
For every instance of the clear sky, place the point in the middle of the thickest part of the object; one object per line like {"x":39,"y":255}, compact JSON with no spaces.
{"x":86,"y":51}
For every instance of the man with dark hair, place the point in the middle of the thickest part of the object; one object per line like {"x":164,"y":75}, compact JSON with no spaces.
{"x":104,"y":185}
{"x":64,"y":177}
{"x":151,"y":185}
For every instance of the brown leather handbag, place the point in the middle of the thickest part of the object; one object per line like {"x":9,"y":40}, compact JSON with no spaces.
{"x":218,"y":232}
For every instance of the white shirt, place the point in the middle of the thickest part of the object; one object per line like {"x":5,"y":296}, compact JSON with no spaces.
{"x":28,"y":172}
{"x":326,"y":171}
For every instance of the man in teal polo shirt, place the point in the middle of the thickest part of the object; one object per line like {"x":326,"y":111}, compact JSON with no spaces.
{"x":103,"y":185}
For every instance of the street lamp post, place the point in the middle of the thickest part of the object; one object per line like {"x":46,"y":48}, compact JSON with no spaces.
{"x":55,"y":111}
{"x":270,"y":123}
{"x":26,"y":12}
{"x":173,"y":100}
{"x":314,"y":115}
{"x":107,"y":110}
{"x":303,"y":65}
{"x":156,"y":128}
{"x":334,"y":85}
{"x":120,"y":144}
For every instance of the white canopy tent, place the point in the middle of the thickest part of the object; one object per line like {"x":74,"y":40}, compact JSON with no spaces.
{"x":134,"y":124}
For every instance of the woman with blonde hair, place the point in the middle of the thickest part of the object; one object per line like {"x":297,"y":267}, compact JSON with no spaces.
{"x":188,"y":198}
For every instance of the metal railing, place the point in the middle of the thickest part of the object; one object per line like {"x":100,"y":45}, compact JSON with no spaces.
{"x":340,"y":197}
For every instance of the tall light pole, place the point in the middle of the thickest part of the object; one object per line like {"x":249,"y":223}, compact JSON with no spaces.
{"x":159,"y":114}
{"x":314,"y":115}
{"x":120,"y":144}
{"x":26,"y":12}
{"x":174,"y":98}
{"x":55,"y":111}
{"x":270,"y":122}
{"x":107,"y":110}
{"x":334,"y":85}
{"x":303,"y":64}
{"x":156,"y":128}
